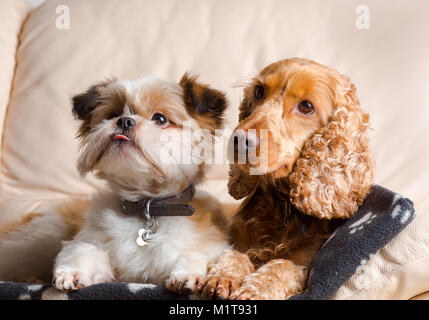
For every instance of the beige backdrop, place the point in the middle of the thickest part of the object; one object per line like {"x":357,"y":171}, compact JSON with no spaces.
{"x":226,"y":42}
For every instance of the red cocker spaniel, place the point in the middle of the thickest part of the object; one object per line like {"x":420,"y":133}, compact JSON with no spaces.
{"x":317,"y":171}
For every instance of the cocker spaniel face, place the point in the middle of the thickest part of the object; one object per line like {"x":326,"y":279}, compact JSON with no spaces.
{"x":307,"y":119}
{"x":290,"y":101}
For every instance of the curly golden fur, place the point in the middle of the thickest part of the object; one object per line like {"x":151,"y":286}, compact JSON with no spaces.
{"x":318,"y":170}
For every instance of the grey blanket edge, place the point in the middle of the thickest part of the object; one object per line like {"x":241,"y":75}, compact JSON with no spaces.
{"x":382,"y":216}
{"x":378,"y":220}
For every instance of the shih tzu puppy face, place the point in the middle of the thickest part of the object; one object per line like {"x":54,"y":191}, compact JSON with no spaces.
{"x":132,"y":133}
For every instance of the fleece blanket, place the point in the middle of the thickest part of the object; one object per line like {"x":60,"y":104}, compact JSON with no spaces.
{"x":381,"y":217}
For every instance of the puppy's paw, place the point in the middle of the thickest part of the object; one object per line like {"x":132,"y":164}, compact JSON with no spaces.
{"x":68,"y":278}
{"x":183,"y":284}
{"x":247,"y":292}
{"x":217,"y":287}
{"x":80,"y":264}
{"x":257,"y":286}
{"x":277,"y":280}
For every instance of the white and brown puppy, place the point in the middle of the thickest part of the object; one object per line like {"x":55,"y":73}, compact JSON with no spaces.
{"x":122,"y":124}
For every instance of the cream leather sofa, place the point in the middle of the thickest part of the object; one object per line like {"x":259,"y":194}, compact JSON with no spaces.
{"x":42,"y":64}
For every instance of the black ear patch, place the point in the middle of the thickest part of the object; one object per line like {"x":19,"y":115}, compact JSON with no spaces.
{"x":85,"y":103}
{"x":203,"y":102}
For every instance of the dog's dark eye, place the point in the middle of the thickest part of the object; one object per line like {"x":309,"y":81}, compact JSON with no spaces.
{"x":160,"y":119}
{"x":259,"y":92}
{"x":113,"y":115}
{"x":306,"y":108}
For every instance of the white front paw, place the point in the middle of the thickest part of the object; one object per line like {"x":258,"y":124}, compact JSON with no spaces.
{"x":183,"y":283}
{"x":80,"y":265}
{"x":70,"y":278}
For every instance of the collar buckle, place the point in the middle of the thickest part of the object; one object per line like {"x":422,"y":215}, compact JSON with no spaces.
{"x":150,"y":209}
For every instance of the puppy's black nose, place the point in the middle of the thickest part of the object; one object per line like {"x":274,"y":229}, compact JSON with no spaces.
{"x":125,"y":123}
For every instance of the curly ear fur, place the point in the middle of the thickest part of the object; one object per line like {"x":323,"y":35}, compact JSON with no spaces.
{"x":334,"y":173}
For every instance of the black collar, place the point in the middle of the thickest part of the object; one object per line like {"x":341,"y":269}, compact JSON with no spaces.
{"x":175,"y":205}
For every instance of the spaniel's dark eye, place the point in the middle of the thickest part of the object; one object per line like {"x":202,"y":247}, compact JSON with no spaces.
{"x":259,"y":92}
{"x":306,"y":108}
{"x":160,"y":119}
{"x":113,"y":115}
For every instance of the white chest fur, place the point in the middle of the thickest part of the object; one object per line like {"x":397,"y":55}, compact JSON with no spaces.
{"x":153,"y":262}
{"x":179,"y":244}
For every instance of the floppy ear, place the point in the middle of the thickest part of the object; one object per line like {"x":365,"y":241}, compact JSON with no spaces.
{"x":84,"y":103}
{"x":334,"y":173}
{"x":205,"y":104}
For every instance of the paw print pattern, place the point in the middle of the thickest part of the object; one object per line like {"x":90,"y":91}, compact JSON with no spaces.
{"x":396,"y":198}
{"x":360,"y":224}
{"x":404,"y":216}
{"x":364,"y":275}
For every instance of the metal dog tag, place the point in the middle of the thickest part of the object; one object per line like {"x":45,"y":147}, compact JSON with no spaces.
{"x":143,"y":237}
